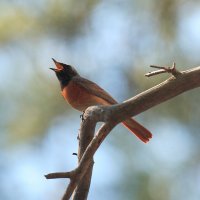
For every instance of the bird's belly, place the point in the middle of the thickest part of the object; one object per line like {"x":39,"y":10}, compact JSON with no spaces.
{"x":81,"y":99}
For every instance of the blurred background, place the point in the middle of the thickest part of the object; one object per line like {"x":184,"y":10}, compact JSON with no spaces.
{"x":111,"y":42}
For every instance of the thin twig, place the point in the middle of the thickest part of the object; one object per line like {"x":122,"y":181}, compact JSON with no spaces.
{"x":172,"y":70}
{"x":161,"y":71}
{"x":59,"y":175}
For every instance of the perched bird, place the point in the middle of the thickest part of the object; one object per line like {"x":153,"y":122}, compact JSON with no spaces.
{"x":81,"y":93}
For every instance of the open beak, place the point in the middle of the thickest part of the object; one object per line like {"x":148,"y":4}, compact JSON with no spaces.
{"x":53,"y":69}
{"x":58,"y":65}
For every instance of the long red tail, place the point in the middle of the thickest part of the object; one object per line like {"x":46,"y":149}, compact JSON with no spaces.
{"x":136,"y":128}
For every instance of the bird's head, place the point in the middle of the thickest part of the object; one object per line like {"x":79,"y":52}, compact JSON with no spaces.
{"x":64,"y":72}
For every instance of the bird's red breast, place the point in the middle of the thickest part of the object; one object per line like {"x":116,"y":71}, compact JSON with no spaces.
{"x":79,"y":97}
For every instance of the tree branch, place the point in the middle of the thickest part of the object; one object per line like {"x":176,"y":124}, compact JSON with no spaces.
{"x":172,"y":70}
{"x":85,"y":136}
{"x":112,"y":115}
{"x":164,"y":91}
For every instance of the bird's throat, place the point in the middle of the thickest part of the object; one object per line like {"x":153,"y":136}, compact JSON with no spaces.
{"x":64,"y":83}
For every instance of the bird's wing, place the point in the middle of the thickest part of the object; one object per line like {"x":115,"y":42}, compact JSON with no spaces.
{"x":94,"y":89}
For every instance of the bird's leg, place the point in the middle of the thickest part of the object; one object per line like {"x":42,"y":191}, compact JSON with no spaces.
{"x":82,"y":116}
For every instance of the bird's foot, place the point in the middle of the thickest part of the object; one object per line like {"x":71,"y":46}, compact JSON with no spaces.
{"x":82,"y":116}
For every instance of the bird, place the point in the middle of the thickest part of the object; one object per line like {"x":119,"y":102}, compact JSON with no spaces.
{"x":82,"y":93}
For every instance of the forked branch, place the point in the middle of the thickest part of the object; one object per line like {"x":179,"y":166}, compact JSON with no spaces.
{"x":112,"y":115}
{"x":172,"y":70}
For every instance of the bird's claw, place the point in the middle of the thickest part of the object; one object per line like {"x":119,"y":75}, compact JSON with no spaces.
{"x":82,"y":116}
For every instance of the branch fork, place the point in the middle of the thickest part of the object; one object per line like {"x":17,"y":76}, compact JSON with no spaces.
{"x":112,"y":115}
{"x":172,"y":70}
{"x":91,"y":116}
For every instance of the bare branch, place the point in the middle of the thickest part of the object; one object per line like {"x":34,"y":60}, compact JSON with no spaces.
{"x":59,"y":175}
{"x":172,"y":70}
{"x":85,"y":137}
{"x":164,"y":91}
{"x":180,"y":82}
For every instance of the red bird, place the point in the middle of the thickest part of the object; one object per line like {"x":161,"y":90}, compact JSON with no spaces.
{"x":81,"y":93}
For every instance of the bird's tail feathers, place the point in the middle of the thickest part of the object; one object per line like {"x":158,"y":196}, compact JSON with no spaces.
{"x":141,"y":132}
